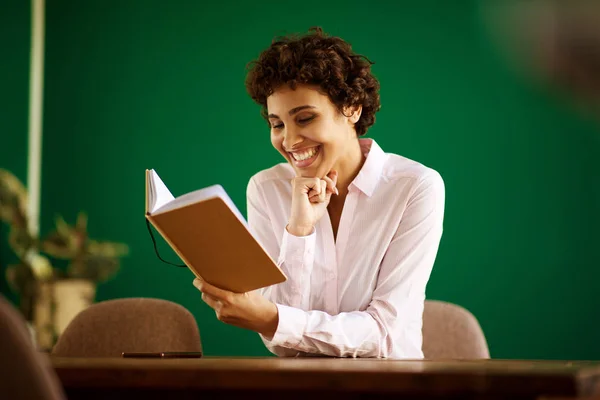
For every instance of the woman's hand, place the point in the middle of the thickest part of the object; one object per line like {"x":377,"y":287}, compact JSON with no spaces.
{"x":244,"y":310}
{"x":310,"y":198}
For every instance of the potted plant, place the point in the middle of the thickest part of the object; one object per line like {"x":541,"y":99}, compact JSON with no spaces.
{"x":56,"y":274}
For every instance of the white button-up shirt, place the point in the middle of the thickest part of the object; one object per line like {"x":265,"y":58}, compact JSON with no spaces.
{"x":361,"y":295}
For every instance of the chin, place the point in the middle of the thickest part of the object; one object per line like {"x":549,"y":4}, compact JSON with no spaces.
{"x":305,"y":173}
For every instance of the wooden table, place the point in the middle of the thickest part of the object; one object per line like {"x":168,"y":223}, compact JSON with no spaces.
{"x":282,"y":379}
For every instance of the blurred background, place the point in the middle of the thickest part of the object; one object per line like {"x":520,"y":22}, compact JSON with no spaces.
{"x":474,"y":89}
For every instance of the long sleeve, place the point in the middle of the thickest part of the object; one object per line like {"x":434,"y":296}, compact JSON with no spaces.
{"x":382,"y":329}
{"x":294,"y":255}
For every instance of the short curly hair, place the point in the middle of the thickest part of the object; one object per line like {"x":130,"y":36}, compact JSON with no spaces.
{"x":316,"y":59}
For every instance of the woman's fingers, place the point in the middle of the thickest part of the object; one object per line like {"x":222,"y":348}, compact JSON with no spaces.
{"x":320,"y":189}
{"x":333,"y":175}
{"x":331,"y":188}
{"x":323,"y":193}
{"x":320,"y":195}
{"x":211,"y":301}
{"x":313,"y":196}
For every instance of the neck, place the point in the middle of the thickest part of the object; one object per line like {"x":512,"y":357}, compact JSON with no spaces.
{"x":349,"y":167}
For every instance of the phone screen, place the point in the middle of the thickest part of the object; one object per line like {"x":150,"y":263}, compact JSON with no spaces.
{"x":163,"y":354}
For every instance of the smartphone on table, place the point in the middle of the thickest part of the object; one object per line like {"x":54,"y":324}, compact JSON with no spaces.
{"x":163,"y":354}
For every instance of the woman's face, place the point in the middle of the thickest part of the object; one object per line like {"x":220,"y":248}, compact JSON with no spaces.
{"x":308,"y":130}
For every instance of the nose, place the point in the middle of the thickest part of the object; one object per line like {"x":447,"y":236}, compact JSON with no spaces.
{"x":291,"y":138}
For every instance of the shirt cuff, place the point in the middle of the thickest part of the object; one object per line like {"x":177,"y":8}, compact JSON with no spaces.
{"x":291,"y":327}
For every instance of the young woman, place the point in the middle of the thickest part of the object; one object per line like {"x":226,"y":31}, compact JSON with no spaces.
{"x":355,"y":229}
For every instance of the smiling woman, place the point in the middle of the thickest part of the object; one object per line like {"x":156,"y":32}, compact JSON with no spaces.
{"x":355,"y":229}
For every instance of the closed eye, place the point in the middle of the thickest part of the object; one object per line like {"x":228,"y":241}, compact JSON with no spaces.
{"x":305,"y":120}
{"x":301,"y":121}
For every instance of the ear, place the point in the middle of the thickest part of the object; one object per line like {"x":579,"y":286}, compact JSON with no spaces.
{"x":354,"y":114}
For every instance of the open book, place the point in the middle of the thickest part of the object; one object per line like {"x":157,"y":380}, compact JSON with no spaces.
{"x":210,"y":235}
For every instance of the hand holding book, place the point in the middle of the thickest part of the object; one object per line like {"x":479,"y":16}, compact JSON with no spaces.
{"x":245,"y":310}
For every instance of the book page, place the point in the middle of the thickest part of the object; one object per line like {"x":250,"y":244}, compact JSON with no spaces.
{"x":158,"y":193}
{"x":201,"y":195}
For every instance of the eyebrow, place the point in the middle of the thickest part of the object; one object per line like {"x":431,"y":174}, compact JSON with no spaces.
{"x":293,"y":110}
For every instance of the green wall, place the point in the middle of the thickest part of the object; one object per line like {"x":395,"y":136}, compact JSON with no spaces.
{"x":132,"y":85}
{"x":14,"y":98}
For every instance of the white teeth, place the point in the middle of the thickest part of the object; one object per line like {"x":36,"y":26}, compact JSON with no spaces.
{"x":305,"y":154}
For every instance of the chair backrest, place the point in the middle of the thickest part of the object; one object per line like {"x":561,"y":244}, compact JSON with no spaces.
{"x":452,"y":332}
{"x":25,"y":373}
{"x":108,"y":328}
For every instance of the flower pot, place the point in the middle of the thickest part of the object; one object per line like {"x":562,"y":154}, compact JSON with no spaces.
{"x":57,"y":303}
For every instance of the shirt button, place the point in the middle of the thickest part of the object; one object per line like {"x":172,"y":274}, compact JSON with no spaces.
{"x":330,"y":276}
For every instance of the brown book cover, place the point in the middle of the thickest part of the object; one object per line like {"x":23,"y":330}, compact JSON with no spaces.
{"x":211,"y":237}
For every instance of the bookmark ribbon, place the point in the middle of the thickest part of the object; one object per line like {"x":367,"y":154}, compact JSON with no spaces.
{"x":156,"y":249}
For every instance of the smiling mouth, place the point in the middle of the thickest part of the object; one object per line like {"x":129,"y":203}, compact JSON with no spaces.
{"x":305,"y":157}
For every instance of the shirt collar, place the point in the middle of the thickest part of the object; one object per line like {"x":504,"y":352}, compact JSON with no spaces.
{"x":371,"y":171}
